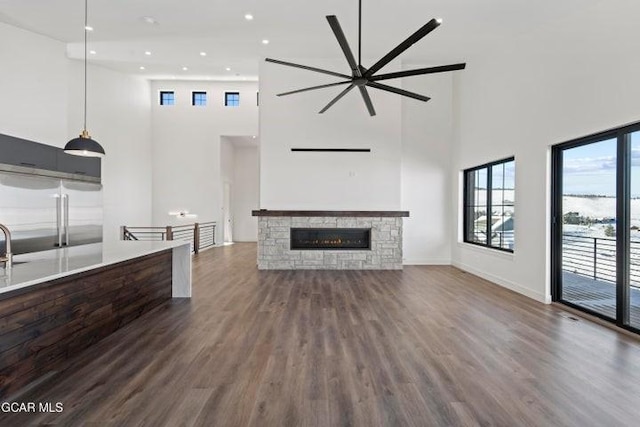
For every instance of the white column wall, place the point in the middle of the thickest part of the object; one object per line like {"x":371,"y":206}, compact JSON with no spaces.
{"x":326,"y":181}
{"x":426,"y":163}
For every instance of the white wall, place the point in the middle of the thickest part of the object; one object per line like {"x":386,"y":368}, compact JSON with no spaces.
{"x":227,"y":155}
{"x":227,"y":160}
{"x":42,"y":101}
{"x":186,"y":146}
{"x":408,"y":168}
{"x":33,"y":86}
{"x":119,"y":118}
{"x":426,"y":164}
{"x":326,"y":181}
{"x":245,"y":193}
{"x":546,"y":88}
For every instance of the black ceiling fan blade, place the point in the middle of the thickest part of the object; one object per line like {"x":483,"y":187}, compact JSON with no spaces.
{"x":342,"y":41}
{"x":313,"y":88}
{"x":413,"y":38}
{"x":418,"y":72}
{"x":337,"y":98}
{"x":367,"y":100}
{"x":398,"y":91}
{"x":304,"y":67}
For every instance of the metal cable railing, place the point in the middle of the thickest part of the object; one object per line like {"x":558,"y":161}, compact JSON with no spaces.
{"x":595,"y":257}
{"x":200,"y":235}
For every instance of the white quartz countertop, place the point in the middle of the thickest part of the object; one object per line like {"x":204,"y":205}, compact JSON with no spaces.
{"x":39,"y":267}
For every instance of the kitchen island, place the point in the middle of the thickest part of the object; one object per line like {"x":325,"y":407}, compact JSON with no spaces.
{"x":56,"y":303}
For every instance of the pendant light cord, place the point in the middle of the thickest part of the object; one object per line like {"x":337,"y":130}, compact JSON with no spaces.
{"x":85,"y":62}
{"x":359,"y":32}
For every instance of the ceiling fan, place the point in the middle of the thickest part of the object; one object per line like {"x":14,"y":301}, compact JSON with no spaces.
{"x":362,"y":77}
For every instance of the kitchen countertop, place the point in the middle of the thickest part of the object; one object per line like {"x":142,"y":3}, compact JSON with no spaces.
{"x":39,"y":267}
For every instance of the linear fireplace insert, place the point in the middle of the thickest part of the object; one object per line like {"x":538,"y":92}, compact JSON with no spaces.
{"x":330,"y":238}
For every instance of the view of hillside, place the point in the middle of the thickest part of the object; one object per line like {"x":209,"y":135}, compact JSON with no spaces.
{"x":593,"y":214}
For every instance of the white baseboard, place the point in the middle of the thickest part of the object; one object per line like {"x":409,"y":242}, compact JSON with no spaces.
{"x":545,"y":299}
{"x":427,"y":261}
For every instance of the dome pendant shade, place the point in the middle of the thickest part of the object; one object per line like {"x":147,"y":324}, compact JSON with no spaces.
{"x":84,"y":146}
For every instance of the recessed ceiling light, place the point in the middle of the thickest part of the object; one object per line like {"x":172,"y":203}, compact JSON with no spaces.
{"x":92,"y":52}
{"x":228,"y":68}
{"x":149,"y":20}
{"x":141,"y":67}
{"x":88,"y":28}
{"x":248,"y":17}
{"x":254,"y":137}
{"x":265,"y":41}
{"x":147,"y":53}
{"x":203,"y":53}
{"x":185,"y":69}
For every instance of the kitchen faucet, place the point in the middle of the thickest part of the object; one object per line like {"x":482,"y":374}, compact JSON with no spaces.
{"x":7,"y":258}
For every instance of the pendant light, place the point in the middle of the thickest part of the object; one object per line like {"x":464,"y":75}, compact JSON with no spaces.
{"x":84,"y":145}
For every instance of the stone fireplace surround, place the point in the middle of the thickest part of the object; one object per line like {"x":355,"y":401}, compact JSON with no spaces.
{"x":274,"y":240}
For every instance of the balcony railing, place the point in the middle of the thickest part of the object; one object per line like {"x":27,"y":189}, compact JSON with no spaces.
{"x":200,"y":235}
{"x":595,"y":257}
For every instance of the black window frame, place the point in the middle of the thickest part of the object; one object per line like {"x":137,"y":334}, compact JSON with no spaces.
{"x":196,"y":93}
{"x":166,"y":92}
{"x":226,"y":98}
{"x":489,"y":205}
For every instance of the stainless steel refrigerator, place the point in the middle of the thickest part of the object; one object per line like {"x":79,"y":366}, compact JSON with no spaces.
{"x":46,"y":213}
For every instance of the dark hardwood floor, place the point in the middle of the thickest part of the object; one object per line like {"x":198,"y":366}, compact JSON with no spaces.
{"x":428,"y":346}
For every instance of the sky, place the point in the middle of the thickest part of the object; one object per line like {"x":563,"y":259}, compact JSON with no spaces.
{"x":591,"y":169}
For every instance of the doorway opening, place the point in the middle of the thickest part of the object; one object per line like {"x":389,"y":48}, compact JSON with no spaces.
{"x":240,"y":187}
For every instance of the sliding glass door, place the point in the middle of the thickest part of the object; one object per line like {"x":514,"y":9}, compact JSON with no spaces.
{"x":596,"y":225}
{"x":634,"y":240}
{"x":588,"y":226}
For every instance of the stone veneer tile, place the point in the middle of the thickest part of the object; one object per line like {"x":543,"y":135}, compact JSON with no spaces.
{"x":274,"y":251}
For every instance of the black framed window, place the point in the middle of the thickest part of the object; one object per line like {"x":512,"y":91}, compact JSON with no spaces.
{"x":489,"y":205}
{"x":167,"y":97}
{"x":232,"y":99}
{"x":199,"y":99}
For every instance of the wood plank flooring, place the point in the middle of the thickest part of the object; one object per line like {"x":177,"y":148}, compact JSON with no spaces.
{"x":428,"y":346}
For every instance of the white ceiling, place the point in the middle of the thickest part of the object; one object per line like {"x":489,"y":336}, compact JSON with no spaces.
{"x":295,"y":28}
